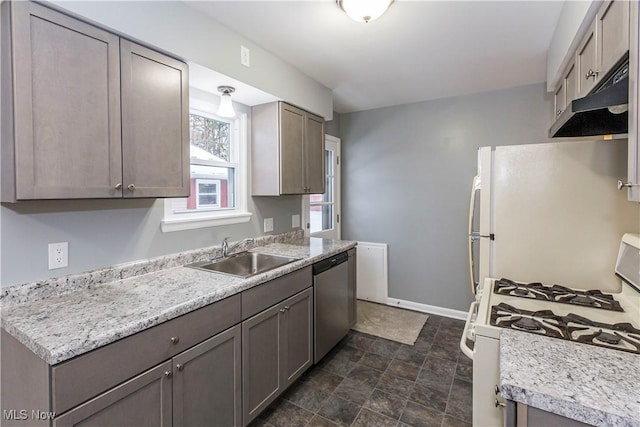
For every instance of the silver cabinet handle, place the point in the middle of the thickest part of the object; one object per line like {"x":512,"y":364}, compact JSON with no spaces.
{"x":622,"y":185}
{"x":282,"y":310}
{"x":175,"y":340}
{"x":180,"y":367}
{"x":590,"y":74}
{"x":131,"y":187}
{"x":500,"y":404}
{"x":558,"y":113}
{"x":168,"y":374}
{"x":497,"y":390}
{"x":118,"y":186}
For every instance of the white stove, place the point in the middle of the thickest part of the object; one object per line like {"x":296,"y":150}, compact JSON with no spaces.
{"x":610,"y":320}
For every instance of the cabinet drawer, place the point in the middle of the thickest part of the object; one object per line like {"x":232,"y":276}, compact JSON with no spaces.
{"x":263,"y":296}
{"x":85,"y":376}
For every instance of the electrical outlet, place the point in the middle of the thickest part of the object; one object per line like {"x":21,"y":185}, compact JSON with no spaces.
{"x":58,"y":255}
{"x":295,"y":221}
{"x":245,"y":56}
{"x":268,"y":225}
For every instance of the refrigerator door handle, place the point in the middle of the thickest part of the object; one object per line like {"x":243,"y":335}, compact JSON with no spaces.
{"x":473,"y":235}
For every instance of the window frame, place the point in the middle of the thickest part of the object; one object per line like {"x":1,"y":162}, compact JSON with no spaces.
{"x":178,"y":221}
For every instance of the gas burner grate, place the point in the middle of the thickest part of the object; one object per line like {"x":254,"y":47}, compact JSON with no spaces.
{"x":619,"y":336}
{"x":557,"y":293}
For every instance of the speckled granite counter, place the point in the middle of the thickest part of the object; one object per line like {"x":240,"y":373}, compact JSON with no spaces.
{"x":583,"y":382}
{"x":68,"y":324}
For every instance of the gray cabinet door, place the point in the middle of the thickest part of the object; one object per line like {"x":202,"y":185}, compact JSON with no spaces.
{"x":206,"y":383}
{"x":314,"y":156}
{"x":292,"y":123}
{"x":613,"y":32}
{"x":261,"y":362}
{"x":297,"y":336}
{"x":140,"y":402}
{"x":587,"y":62}
{"x":66,"y":80}
{"x":155,"y":123}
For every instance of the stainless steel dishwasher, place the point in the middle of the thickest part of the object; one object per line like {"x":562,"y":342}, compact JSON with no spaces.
{"x":331,"y":301}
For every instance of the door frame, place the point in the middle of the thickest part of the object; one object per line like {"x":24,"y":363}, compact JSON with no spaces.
{"x":335,"y":143}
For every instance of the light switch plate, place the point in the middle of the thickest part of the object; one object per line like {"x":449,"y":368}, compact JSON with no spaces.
{"x":245,"y":56}
{"x":295,"y":221}
{"x":268,"y":225}
{"x":58,"y":255}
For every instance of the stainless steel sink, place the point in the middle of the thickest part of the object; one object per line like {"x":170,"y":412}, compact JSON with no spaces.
{"x":244,"y":264}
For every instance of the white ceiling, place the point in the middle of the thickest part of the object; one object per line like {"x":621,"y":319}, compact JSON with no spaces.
{"x":418,"y":50}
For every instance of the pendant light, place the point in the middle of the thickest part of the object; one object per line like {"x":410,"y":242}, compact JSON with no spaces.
{"x":364,"y":10}
{"x":226,"y":107}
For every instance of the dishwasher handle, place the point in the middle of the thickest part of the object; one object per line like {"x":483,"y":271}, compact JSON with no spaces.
{"x":329,"y":263}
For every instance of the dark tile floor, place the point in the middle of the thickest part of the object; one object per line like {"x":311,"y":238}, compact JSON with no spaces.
{"x":368,"y":381}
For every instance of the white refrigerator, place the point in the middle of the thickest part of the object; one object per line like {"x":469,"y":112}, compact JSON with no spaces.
{"x":550,"y":213}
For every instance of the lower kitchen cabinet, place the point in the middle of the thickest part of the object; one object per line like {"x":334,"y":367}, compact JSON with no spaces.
{"x":142,"y":401}
{"x":276,"y":350}
{"x":199,"y":387}
{"x":206,"y":383}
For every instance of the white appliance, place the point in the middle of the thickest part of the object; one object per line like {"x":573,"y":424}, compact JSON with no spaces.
{"x":545,"y":213}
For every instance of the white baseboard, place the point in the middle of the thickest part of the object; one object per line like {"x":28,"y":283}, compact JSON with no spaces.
{"x":425,"y":308}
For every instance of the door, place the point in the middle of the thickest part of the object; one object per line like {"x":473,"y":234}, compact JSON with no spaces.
{"x":261,"y":362}
{"x":613,"y":32}
{"x":155,"y":125}
{"x":587,"y":62}
{"x":292,"y":123}
{"x":66,"y":106}
{"x":322,"y":211}
{"x":206,"y":383}
{"x":142,"y":401}
{"x":570,"y":85}
{"x":297,"y":336}
{"x":314,"y":166}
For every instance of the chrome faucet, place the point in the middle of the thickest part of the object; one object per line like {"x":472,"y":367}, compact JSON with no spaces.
{"x":226,"y":249}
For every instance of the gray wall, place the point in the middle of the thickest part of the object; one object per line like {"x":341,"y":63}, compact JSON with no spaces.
{"x":407,"y":172}
{"x":332,"y":127}
{"x":107,"y":232}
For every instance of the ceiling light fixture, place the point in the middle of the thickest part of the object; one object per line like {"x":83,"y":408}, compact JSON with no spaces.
{"x":364,"y":10}
{"x":226,"y":107}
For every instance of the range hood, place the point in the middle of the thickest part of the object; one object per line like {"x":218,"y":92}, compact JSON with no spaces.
{"x":603,"y":112}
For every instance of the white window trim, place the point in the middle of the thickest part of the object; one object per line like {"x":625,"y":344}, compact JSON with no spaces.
{"x":193,"y":220}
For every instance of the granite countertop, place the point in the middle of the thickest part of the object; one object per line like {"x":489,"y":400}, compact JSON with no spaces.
{"x":587,"y":383}
{"x":66,"y":325}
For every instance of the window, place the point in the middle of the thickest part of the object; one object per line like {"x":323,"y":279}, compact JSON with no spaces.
{"x":218,"y":172}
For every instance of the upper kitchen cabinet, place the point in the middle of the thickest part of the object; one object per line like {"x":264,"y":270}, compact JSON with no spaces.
{"x":155,"y":123}
{"x":587,"y":62}
{"x":86,"y":114}
{"x":287,"y":150}
{"x":613,"y":33}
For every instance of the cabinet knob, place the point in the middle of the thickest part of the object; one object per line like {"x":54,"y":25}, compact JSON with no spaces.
{"x":286,"y":307}
{"x":168,"y":374}
{"x":180,"y":367}
{"x":499,"y":404}
{"x":118,"y":186}
{"x":131,"y":187}
{"x":591,"y":74}
{"x":558,"y":113}
{"x":282,"y":310}
{"x":622,"y":185}
{"x":497,"y":389}
{"x":175,"y":340}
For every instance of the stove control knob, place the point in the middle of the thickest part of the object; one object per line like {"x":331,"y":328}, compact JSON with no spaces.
{"x":500,"y":404}
{"x":497,"y":390}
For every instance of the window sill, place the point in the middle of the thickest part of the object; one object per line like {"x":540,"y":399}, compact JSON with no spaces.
{"x":181,"y":224}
